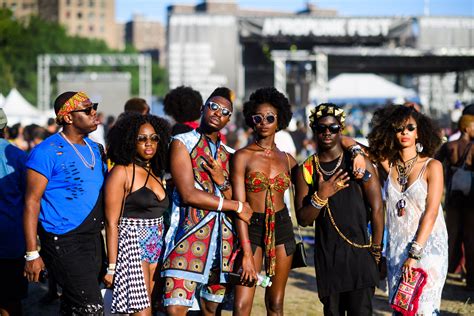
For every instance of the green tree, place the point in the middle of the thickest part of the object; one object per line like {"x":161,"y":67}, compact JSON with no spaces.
{"x":22,"y":41}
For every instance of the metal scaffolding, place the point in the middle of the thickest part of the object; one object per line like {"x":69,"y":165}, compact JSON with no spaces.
{"x":46,"y":61}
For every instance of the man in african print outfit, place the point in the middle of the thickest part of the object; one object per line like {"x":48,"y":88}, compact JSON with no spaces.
{"x":200,"y":240}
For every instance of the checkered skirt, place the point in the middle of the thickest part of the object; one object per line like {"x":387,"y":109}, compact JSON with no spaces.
{"x":130,"y":293}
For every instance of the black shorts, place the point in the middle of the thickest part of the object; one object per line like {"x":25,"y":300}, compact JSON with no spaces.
{"x":14,"y":286}
{"x":75,"y":261}
{"x":283,"y":231}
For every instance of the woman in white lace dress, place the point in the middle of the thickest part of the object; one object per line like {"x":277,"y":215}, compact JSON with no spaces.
{"x":402,"y":141}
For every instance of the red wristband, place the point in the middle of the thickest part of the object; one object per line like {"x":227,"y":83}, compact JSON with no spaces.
{"x":245,"y":241}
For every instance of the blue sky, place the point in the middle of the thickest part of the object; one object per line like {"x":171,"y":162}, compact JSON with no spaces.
{"x":156,"y":9}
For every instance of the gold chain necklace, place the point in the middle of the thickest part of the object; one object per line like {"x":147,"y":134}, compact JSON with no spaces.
{"x":356,"y":245}
{"x":87,"y":164}
{"x":266,"y":150}
{"x":331,"y":172}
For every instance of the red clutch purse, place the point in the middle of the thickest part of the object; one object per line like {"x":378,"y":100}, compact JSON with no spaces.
{"x":405,"y":300}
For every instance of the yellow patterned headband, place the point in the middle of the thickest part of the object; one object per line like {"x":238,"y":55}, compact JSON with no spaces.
{"x":71,"y":104}
{"x":327,"y":109}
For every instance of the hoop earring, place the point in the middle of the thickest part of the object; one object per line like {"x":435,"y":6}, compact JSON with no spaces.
{"x":419,"y":147}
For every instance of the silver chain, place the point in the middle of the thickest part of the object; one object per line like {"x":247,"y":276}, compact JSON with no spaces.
{"x":331,"y":172}
{"x":88,"y":165}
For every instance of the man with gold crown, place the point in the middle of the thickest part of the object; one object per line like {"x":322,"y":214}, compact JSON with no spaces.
{"x":63,"y":205}
{"x":330,"y":194}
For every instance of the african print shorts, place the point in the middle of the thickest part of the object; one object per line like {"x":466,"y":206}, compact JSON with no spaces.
{"x":181,"y":292}
{"x":151,"y":242}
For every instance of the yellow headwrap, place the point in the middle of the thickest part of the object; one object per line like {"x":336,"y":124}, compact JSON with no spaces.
{"x":70,"y":105}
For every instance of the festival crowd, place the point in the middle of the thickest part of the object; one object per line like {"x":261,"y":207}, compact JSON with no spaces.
{"x":188,"y":215}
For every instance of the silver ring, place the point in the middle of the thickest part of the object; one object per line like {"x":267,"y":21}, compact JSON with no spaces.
{"x":360,"y":170}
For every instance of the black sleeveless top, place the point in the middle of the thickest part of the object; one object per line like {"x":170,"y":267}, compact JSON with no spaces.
{"x":341,"y":267}
{"x":143,"y":203}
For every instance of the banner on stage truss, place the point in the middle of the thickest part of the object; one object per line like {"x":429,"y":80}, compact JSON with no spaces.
{"x":325,"y":27}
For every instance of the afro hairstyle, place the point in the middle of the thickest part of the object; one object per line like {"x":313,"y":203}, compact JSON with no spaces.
{"x":382,"y":138}
{"x":183,"y":104}
{"x":273,"y":97}
{"x":122,"y":140}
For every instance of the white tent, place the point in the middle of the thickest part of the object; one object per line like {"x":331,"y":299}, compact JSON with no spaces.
{"x":19,"y":110}
{"x":365,"y":88}
{"x":2,"y":100}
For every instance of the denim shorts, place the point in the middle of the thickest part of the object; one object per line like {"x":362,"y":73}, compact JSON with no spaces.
{"x":283,"y":231}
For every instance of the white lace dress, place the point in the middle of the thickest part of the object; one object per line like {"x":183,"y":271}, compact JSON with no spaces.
{"x":401,"y":231}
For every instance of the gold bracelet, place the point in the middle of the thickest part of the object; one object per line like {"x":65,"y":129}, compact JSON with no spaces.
{"x":318,"y":200}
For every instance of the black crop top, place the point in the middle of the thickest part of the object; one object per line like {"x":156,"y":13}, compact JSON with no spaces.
{"x":143,"y":203}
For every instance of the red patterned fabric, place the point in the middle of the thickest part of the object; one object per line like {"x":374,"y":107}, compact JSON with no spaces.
{"x":405,"y":300}
{"x":258,"y":182}
{"x":72,"y":104}
{"x":191,"y":251}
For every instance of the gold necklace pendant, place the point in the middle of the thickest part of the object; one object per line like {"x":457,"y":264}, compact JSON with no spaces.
{"x":266,"y":151}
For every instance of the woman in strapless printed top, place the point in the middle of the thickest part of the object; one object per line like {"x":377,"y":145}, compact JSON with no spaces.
{"x":260,"y":175}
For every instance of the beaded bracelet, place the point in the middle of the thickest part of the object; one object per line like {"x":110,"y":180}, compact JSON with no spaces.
{"x":224,"y":186}
{"x":356,"y":150}
{"x":377,"y":247}
{"x":415,"y":251}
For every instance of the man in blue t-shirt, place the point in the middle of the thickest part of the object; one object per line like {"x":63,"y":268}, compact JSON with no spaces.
{"x":63,"y":205}
{"x":12,"y":242}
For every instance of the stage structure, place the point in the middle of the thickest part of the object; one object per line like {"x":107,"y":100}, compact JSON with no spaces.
{"x":299,"y":53}
{"x":46,"y":61}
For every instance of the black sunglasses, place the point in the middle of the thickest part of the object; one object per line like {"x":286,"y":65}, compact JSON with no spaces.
{"x":142,"y":138}
{"x":409,"y":127}
{"x":259,"y":118}
{"x":333,"y":128}
{"x":88,"y":110}
{"x":216,"y":106}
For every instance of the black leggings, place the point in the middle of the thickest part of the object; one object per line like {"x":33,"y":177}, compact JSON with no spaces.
{"x":283,"y":231}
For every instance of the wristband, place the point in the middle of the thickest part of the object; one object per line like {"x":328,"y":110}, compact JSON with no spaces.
{"x":111,"y":272}
{"x":221,"y":203}
{"x":247,"y":241}
{"x":240,"y":208}
{"x":315,"y":205}
{"x":111,"y":266}
{"x":32,"y":255}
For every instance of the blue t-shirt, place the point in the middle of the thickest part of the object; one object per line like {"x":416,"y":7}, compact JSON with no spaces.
{"x":73,"y":188}
{"x":12,"y":193}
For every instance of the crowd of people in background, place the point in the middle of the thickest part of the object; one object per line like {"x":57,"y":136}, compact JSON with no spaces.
{"x":185,"y":201}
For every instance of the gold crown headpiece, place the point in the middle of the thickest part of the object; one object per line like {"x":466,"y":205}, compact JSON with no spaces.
{"x":327,"y":109}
